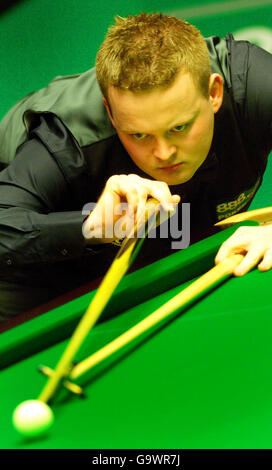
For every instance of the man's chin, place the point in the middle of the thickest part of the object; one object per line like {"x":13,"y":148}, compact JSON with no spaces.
{"x":176,"y":179}
{"x":177,"y":182}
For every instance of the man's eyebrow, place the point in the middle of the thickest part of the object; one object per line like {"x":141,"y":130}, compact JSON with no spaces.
{"x":185,"y":121}
{"x":130,"y":131}
{"x":178,"y":123}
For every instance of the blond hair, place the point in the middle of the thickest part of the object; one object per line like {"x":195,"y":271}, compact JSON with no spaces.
{"x":147,"y":51}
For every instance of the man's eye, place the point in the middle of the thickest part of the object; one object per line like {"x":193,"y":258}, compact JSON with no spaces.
{"x":179,"y":128}
{"x":139,"y":136}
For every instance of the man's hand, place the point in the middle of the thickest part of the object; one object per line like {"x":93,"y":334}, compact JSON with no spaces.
{"x":255,"y":243}
{"x":101,"y":225}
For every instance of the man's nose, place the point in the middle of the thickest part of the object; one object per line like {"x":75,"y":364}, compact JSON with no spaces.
{"x":163,"y":150}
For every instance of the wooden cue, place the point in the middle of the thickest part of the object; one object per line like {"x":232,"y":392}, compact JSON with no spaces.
{"x":117,"y":270}
{"x":197,"y":289}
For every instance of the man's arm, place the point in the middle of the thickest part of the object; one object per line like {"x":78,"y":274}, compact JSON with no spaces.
{"x":255,"y":242}
{"x":38,"y":218}
{"x":40,"y":221}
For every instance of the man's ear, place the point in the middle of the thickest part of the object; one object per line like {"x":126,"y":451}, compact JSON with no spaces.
{"x":216,"y":91}
{"x":107,"y":106}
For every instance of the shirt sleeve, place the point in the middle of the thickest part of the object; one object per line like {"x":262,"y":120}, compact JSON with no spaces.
{"x":39,"y":221}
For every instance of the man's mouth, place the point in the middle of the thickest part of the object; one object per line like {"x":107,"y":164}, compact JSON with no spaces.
{"x":171,"y":167}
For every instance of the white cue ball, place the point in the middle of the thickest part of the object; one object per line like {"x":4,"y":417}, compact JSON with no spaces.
{"x":32,"y":418}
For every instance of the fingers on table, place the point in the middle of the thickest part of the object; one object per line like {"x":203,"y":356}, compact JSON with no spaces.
{"x":255,"y":243}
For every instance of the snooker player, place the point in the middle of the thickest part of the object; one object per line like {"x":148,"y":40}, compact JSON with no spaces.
{"x":165,"y":113}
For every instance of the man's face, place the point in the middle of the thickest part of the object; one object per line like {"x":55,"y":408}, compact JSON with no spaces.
{"x":167,"y":132}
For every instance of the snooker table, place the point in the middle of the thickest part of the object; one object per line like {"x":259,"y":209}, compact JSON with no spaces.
{"x":201,"y":381}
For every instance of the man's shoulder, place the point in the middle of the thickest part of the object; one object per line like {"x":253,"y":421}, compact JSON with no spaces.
{"x":219,"y":56}
{"x":233,"y":58}
{"x":75,"y":99}
{"x":78,"y":102}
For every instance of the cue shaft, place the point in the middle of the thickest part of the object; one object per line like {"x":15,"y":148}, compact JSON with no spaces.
{"x":197,"y":289}
{"x":112,"y":278}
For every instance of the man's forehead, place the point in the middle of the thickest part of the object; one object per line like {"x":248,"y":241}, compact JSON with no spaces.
{"x":136,"y":111}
